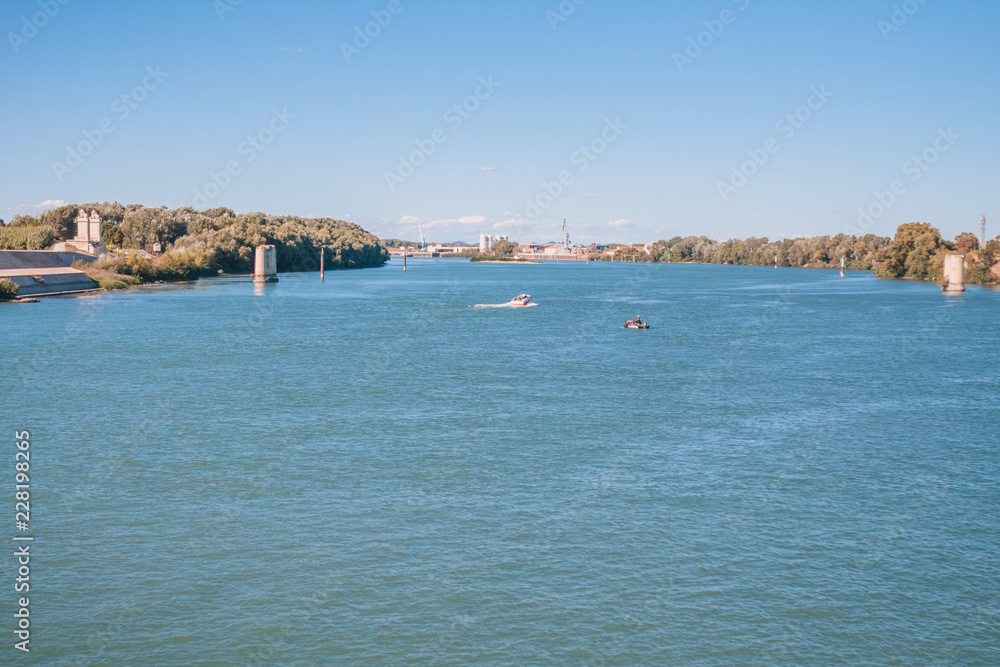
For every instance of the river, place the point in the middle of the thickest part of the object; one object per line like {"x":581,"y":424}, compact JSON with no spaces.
{"x":787,"y":468}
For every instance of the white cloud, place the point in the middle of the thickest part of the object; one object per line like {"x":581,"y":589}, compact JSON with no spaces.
{"x":490,"y":169}
{"x":466,"y":228}
{"x":406,"y":227}
{"x":524,"y":230}
{"x":622,"y":222}
{"x":37,"y":208}
{"x":464,"y":221}
{"x":510,"y":223}
{"x":411,"y":224}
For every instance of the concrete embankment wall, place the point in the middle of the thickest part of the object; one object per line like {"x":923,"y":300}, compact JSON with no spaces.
{"x":39,"y":259}
{"x":44,"y":273}
{"x":52,"y":283}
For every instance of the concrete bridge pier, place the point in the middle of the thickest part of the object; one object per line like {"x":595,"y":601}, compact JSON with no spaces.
{"x":266,"y":265}
{"x":954,"y":274}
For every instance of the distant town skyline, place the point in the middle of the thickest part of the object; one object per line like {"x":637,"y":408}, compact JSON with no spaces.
{"x":633,"y":121}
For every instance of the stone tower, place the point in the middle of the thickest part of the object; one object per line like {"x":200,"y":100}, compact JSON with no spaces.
{"x":94,"y":233}
{"x":88,"y":235}
{"x":82,"y":226}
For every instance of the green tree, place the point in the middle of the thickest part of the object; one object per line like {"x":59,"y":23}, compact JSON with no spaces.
{"x":505,"y":249}
{"x":982,"y":266}
{"x":26,"y":238}
{"x":966,"y":242}
{"x":916,"y":251}
{"x":8,"y":289}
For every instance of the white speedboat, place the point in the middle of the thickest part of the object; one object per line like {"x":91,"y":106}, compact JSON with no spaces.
{"x":520,"y":300}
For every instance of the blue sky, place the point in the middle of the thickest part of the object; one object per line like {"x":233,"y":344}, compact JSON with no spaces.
{"x":683,"y":138}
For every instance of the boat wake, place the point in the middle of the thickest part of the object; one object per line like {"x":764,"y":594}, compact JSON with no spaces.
{"x":502,"y":305}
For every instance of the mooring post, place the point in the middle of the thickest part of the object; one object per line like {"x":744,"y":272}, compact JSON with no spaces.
{"x":404,"y":261}
{"x":322,"y":268}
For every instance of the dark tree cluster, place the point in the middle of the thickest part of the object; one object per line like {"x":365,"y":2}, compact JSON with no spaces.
{"x":818,"y":251}
{"x":212,"y":241}
{"x":917,"y":253}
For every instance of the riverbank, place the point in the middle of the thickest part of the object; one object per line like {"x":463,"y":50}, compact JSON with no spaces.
{"x":157,"y":243}
{"x":496,"y":260}
{"x":31,"y":273}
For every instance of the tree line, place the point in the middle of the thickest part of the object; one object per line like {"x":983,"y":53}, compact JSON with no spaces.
{"x":196,"y":243}
{"x":915,"y":252}
{"x":26,"y":238}
{"x":859,"y":253}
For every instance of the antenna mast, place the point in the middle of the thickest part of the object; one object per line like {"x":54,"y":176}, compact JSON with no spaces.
{"x":982,"y":230}
{"x":566,"y":234}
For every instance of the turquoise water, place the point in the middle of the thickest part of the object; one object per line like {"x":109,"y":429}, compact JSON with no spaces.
{"x":788,"y":468}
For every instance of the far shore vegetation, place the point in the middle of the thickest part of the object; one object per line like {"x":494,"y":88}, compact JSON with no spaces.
{"x":196,"y":243}
{"x":500,"y":251}
{"x":916,"y":252}
{"x":490,"y":259}
{"x":204,"y":243}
